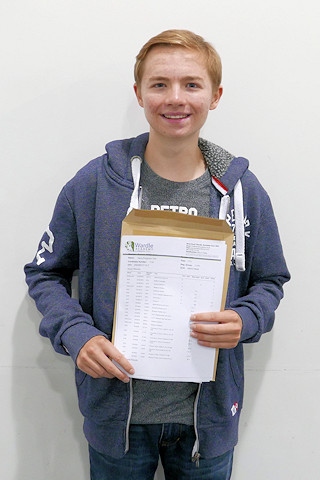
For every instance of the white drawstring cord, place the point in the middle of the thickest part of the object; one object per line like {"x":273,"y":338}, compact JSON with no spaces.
{"x":239,"y":223}
{"x":224,"y":207}
{"x":135,"y":169}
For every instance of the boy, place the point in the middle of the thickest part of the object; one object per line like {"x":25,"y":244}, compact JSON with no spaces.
{"x":130,"y":423}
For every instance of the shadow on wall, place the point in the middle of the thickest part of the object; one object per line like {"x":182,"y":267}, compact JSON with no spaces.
{"x":48,"y":426}
{"x":256,"y":357}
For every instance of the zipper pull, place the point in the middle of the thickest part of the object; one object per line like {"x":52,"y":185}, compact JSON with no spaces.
{"x":196,"y":458}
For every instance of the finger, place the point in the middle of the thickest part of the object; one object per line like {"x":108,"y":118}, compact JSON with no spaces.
{"x":217,"y":345}
{"x":91,"y":366}
{"x":208,"y":328}
{"x":117,"y":358}
{"x":220,"y":345}
{"x":95,"y":372}
{"x":103,"y":367}
{"x":224,"y":340}
{"x":205,"y":317}
{"x":96,"y":359}
{"x":116,"y":370}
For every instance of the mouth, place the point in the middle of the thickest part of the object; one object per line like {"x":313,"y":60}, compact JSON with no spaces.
{"x":176,"y":117}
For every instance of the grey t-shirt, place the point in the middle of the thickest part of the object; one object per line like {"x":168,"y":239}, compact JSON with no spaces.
{"x":158,"y":401}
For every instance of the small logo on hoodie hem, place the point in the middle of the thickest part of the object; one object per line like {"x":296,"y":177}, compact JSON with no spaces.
{"x":234,"y":408}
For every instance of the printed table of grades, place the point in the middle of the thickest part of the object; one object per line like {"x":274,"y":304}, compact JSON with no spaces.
{"x":161,"y":282}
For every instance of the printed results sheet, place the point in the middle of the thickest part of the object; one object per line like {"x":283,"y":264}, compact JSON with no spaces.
{"x":162,"y":281}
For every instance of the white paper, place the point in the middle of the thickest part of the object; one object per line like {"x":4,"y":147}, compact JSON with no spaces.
{"x":162,"y":281}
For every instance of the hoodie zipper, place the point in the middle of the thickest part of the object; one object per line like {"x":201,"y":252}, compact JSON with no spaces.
{"x":129,"y":416}
{"x":195,"y":457}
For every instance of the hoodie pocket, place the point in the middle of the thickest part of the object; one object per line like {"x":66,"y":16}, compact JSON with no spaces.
{"x":80,"y":377}
{"x":236,"y":366}
{"x":102,"y":399}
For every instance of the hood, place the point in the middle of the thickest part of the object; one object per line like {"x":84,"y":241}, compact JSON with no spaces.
{"x":120,"y":152}
{"x":221,"y":164}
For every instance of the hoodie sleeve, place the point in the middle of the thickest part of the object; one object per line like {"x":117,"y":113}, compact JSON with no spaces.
{"x":261,"y":286}
{"x":49,"y":278}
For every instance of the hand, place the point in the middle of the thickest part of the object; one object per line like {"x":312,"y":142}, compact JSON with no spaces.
{"x":95,"y":359}
{"x":217,"y":329}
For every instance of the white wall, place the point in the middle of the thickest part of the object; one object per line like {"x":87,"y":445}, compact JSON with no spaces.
{"x":65,"y":90}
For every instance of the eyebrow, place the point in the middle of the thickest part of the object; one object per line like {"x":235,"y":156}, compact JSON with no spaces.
{"x":187,"y":78}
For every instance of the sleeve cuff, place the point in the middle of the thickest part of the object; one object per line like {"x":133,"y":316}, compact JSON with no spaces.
{"x":75,"y":337}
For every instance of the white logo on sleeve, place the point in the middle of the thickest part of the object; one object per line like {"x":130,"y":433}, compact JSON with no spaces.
{"x":45,"y":247}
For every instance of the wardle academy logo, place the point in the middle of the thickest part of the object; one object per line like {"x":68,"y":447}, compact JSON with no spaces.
{"x":138,"y":247}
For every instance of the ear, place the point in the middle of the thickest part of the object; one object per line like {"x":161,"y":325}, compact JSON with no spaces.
{"x":216,"y":98}
{"x":138,"y":94}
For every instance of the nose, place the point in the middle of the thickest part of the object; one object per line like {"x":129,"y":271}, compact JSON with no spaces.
{"x":175,"y":95}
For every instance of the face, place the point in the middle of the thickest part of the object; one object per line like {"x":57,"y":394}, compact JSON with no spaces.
{"x":176,"y":92}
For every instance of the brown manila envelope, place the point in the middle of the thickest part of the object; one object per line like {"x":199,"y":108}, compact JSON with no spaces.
{"x":170,"y":266}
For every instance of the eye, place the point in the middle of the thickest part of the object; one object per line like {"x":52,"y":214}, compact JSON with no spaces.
{"x":192,"y":85}
{"x":159,"y":85}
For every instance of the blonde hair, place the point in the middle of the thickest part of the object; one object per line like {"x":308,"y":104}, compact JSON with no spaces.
{"x":184,"y":39}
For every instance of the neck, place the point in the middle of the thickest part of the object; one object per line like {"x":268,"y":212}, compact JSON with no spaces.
{"x":176,"y":160}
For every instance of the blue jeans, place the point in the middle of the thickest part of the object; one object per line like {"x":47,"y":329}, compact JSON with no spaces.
{"x":173,"y":443}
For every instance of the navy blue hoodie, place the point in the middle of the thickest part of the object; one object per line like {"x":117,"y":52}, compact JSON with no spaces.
{"x":84,"y":237}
